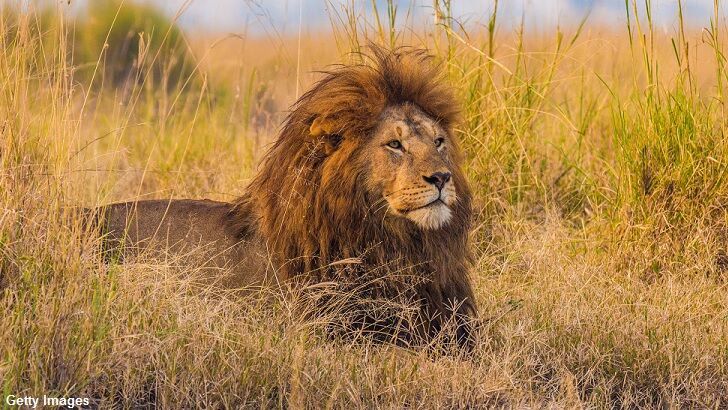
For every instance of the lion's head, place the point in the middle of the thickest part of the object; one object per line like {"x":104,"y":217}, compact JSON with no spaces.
{"x":367,"y":165}
{"x":408,"y":160}
{"x":409,"y":163}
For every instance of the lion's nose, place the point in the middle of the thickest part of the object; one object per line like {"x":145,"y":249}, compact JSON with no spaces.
{"x":438,"y":179}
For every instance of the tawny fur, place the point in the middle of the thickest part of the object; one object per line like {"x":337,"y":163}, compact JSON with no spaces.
{"x":307,"y":209}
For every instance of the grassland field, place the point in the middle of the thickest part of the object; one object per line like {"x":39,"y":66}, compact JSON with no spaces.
{"x":599,"y":161}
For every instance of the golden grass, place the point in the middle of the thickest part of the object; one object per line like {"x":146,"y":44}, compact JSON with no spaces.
{"x":599,"y":164}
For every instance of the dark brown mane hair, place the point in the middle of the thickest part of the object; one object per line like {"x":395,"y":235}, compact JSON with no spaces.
{"x":308,"y":201}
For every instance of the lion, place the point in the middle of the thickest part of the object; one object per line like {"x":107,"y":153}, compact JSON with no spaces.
{"x":365,"y":173}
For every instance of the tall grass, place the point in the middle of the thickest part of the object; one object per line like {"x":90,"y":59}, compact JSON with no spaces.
{"x":598,"y":159}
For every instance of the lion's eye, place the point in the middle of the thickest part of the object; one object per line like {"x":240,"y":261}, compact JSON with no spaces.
{"x":394,"y":144}
{"x":439,"y":142}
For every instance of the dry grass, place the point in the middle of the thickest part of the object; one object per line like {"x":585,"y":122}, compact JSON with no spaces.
{"x":599,"y":163}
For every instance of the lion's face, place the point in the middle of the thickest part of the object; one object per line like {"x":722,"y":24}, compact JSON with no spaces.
{"x":411,"y":164}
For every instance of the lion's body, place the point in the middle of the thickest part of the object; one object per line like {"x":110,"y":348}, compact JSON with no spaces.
{"x":198,"y":231}
{"x":334,"y":187}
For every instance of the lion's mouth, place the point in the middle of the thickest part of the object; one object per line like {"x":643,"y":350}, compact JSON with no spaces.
{"x":437,"y":201}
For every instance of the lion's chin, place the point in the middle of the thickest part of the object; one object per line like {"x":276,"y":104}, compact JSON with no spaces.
{"x":432,"y":217}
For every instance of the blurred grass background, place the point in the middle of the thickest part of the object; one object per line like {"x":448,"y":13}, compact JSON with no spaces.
{"x":597,"y":155}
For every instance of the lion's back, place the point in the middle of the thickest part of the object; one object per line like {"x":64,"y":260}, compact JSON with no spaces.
{"x":183,"y":228}
{"x":171,"y":221}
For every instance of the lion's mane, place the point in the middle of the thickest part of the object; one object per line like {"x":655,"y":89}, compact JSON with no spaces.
{"x":308,"y":203}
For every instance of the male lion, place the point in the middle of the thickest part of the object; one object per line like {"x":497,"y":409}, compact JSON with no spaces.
{"x":364,"y":177}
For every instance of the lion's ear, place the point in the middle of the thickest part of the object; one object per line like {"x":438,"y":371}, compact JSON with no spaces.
{"x":321,"y":126}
